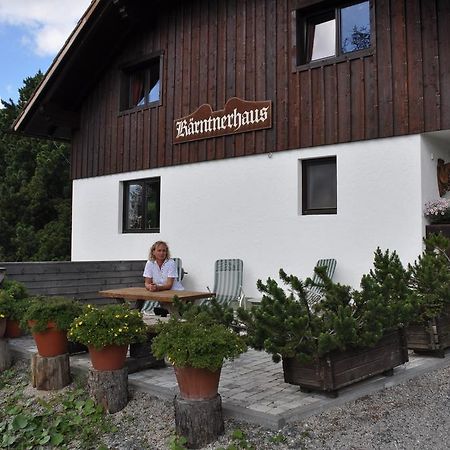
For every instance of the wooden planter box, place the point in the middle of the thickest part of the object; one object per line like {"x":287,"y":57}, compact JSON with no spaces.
{"x":432,"y":337}
{"x":339,"y":369}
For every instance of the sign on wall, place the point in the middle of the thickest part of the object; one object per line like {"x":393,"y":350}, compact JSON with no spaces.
{"x":238,"y":116}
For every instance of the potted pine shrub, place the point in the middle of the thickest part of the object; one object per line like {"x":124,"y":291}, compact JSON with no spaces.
{"x":48,"y":319}
{"x":14,"y":302}
{"x":107,"y":331}
{"x":197,"y":344}
{"x":345,"y":337}
{"x":430,"y":281}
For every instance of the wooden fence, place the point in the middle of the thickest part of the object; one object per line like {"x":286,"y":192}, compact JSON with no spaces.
{"x":80,"y":280}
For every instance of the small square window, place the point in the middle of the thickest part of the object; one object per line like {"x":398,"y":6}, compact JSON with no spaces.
{"x":319,"y":186}
{"x":141,"y":85}
{"x":141,"y":206}
{"x":334,"y":31}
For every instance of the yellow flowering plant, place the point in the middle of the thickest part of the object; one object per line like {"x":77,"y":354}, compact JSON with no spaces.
{"x":108,"y":325}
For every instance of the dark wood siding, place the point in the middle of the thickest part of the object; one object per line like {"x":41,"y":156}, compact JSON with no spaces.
{"x":80,"y":280}
{"x":213,"y":50}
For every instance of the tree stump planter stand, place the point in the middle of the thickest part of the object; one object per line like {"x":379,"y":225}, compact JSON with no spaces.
{"x":109,"y":388}
{"x":199,"y":421}
{"x":50,"y":373}
{"x":339,"y":369}
{"x":5,"y":355}
{"x":431,"y":338}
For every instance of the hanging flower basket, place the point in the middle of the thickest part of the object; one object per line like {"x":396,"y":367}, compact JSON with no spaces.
{"x":438,"y":211}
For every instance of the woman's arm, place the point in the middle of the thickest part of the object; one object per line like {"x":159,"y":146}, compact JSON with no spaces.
{"x":149,"y":285}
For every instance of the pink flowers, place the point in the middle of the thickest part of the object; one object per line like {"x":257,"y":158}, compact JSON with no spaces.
{"x":437,"y":209}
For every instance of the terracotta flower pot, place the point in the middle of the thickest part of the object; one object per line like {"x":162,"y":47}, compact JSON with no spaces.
{"x":197,"y":384}
{"x":51,"y":342}
{"x":12,"y":329}
{"x":111,"y":357}
{"x":2,"y":327}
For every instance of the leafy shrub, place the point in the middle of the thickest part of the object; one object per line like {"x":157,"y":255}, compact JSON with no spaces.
{"x":108,"y":325}
{"x":43,"y":310}
{"x":198,"y":342}
{"x":14,"y":299}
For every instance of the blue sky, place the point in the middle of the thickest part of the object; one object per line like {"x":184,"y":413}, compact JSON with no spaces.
{"x":31,"y":34}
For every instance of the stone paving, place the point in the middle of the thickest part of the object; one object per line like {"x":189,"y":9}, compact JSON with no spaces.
{"x":252,"y":386}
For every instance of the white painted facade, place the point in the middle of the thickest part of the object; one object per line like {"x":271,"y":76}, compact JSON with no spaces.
{"x":249,"y":208}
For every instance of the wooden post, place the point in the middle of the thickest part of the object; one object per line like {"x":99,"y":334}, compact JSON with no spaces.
{"x":109,"y":388}
{"x":50,"y":373}
{"x":199,"y":421}
{"x":5,"y":355}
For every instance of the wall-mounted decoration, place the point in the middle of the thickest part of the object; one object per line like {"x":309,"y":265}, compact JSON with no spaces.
{"x":443,"y":176}
{"x":238,"y":116}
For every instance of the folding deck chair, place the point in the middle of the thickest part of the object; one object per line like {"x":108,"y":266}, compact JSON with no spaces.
{"x":149,"y":305}
{"x":315,"y":292}
{"x":228,"y":276}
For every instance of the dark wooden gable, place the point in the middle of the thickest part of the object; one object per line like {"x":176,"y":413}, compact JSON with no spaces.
{"x":214,"y":50}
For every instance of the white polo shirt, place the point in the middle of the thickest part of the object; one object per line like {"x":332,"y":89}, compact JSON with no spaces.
{"x":160,"y":275}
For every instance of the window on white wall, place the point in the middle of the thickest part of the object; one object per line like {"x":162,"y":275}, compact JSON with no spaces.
{"x":319,"y":186}
{"x":141,"y":205}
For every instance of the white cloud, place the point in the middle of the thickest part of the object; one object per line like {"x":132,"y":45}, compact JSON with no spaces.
{"x":47,"y":23}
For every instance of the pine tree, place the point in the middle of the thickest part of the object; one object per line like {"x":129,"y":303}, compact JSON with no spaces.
{"x":286,"y":325}
{"x":430,"y":278}
{"x":35,"y":190}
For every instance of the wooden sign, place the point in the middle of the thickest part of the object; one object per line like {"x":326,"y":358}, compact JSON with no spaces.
{"x":238,"y":116}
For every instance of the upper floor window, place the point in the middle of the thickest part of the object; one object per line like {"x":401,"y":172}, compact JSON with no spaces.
{"x":141,"y":85}
{"x":319,"y":186}
{"x":332,"y":32}
{"x":141,"y":205}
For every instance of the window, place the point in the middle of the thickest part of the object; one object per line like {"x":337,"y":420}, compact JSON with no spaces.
{"x":141,"y":206}
{"x":332,"y":32}
{"x":319,"y":186}
{"x":141,"y":85}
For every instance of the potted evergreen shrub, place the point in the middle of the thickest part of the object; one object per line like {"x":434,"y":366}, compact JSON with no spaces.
{"x":430,"y":281}
{"x":107,"y":331}
{"x":196,"y":344}
{"x":49,"y":318}
{"x":13,"y":305}
{"x":345,"y":337}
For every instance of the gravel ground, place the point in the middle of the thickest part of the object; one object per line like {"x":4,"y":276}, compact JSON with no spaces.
{"x":412,"y":415}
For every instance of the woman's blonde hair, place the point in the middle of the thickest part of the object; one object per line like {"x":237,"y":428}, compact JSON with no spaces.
{"x":153,"y":248}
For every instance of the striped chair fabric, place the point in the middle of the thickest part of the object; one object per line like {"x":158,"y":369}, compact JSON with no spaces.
{"x":149,"y":305}
{"x":315,"y":293}
{"x":228,"y":276}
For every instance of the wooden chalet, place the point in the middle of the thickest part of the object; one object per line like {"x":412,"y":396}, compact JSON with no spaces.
{"x":275,"y":131}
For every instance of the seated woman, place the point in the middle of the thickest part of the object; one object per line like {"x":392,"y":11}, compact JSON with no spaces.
{"x":160,"y":274}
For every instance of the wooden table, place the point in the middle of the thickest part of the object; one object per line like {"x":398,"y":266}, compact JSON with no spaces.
{"x":166,"y":297}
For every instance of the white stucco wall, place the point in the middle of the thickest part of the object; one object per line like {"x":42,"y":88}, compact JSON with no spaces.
{"x":249,"y":208}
